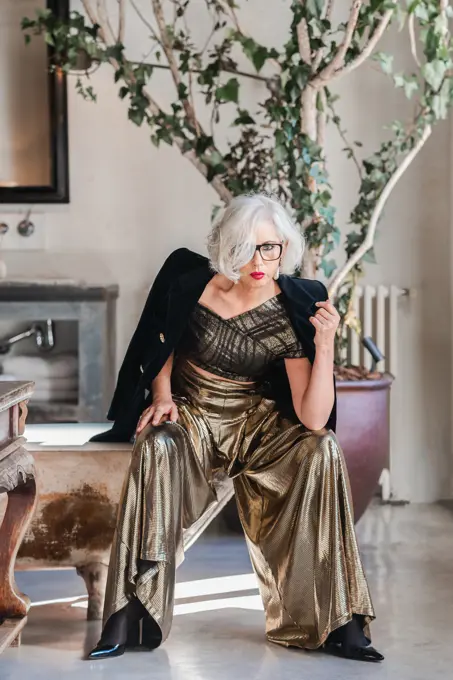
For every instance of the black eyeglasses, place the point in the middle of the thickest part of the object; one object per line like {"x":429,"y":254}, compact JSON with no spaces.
{"x":270,"y":251}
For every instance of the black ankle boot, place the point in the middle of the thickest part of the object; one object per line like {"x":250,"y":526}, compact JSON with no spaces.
{"x":121,"y":630}
{"x":350,"y":642}
{"x":151,"y":633}
{"x":367,"y":653}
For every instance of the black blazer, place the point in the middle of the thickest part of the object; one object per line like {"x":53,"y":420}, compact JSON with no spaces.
{"x":175,"y":291}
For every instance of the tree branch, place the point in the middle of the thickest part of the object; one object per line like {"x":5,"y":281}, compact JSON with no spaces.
{"x":191,"y":156}
{"x":303,"y":39}
{"x":209,"y":38}
{"x":121,"y":20}
{"x":224,"y":68}
{"x":190,"y":88}
{"x":338,"y":60}
{"x":93,"y":18}
{"x":327,"y":15}
{"x":217,"y":184}
{"x":342,"y":134}
{"x":322,"y":119}
{"x":104,"y":19}
{"x":149,"y":26}
{"x":168,"y":50}
{"x":368,"y":242}
{"x":368,"y":49}
{"x":166,"y":44}
{"x":232,"y":12}
{"x":308,"y":111}
{"x":328,"y":10}
{"x":411,"y":27}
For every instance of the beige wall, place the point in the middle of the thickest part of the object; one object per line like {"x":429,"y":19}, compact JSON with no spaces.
{"x":132,"y":204}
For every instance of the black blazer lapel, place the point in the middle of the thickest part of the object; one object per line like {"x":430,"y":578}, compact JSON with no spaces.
{"x":183,"y":294}
{"x":182,"y":298}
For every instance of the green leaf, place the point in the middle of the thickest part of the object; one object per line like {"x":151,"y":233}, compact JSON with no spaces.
{"x":255,"y":52}
{"x":259,"y":57}
{"x":202,"y":144}
{"x":410,"y":85}
{"x":353,"y":239}
{"x":316,"y":172}
{"x":280,"y":153}
{"x":27,"y":39}
{"x":306,"y":156}
{"x":441,"y":102}
{"x":315,"y":7}
{"x":123,"y":92}
{"x":119,"y":73}
{"x":300,"y":167}
{"x":434,"y":73}
{"x":43,"y":14}
{"x":165,"y":136}
{"x":336,"y":236}
{"x":328,"y":267}
{"x":401,"y":17}
{"x":26,"y":23}
{"x":136,"y":116}
{"x":215,"y":158}
{"x":182,"y":91}
{"x":228,"y":92}
{"x":385,"y":61}
{"x":370,"y":256}
{"x":420,"y":11}
{"x":244,"y":118}
{"x":328,"y":213}
{"x":115,"y":52}
{"x":214,"y":212}
{"x":91,"y":94}
{"x":412,"y":6}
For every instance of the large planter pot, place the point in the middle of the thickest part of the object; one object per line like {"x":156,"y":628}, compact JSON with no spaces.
{"x":363,"y":431}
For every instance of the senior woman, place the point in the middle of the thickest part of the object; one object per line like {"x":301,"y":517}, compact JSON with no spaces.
{"x":243,"y":381}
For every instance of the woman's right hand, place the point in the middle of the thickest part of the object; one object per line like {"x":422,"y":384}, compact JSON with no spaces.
{"x":161,"y":409}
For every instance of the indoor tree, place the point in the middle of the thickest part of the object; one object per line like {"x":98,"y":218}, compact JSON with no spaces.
{"x":280,"y":146}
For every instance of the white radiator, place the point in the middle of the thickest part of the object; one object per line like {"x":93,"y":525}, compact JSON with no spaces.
{"x":376,"y":308}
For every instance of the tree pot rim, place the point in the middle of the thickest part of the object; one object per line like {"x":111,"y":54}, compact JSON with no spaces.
{"x":384,"y":382}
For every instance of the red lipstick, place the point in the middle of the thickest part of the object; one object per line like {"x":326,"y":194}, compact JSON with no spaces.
{"x":257,"y":275}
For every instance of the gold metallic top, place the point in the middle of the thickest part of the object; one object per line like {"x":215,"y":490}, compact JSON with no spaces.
{"x":241,"y":347}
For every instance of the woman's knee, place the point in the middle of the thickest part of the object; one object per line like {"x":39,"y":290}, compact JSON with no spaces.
{"x":158,"y":440}
{"x":324,"y":445}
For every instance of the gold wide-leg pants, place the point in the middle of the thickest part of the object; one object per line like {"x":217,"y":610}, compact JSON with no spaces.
{"x":294,"y":502}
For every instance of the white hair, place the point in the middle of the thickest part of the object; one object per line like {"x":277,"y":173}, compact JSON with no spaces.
{"x":232,"y":240}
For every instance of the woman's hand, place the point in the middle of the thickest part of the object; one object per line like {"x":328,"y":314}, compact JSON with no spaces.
{"x":325,"y":321}
{"x":162,"y":408}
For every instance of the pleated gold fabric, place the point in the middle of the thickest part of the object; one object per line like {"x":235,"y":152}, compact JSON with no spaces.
{"x":294,"y":502}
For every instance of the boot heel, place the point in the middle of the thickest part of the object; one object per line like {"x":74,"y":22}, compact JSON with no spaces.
{"x":151,"y":633}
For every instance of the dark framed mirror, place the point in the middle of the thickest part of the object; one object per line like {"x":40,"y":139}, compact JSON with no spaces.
{"x":33,"y":111}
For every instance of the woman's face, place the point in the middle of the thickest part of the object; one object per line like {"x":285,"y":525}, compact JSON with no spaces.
{"x":259,"y":271}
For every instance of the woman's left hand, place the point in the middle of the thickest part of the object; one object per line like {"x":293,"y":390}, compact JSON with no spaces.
{"x":325,"y":321}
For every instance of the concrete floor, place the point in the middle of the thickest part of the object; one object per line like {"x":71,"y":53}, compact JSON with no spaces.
{"x":218,"y":627}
